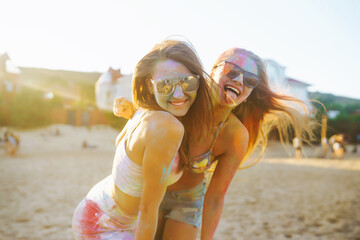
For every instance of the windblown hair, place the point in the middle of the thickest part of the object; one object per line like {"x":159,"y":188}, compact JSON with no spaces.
{"x":265,"y":110}
{"x":199,"y":116}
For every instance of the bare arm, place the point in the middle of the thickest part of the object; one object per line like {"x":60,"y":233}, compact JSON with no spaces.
{"x":236,"y":144}
{"x":163,"y":139}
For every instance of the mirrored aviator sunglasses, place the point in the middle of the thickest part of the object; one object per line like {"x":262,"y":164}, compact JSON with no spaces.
{"x":167,"y":86}
{"x":232,"y":71}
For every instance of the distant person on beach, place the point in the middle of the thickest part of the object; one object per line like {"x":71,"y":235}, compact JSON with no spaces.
{"x":11,"y":142}
{"x":245,"y":110}
{"x":57,"y":132}
{"x":85,"y":144}
{"x":297,"y":147}
{"x":357,"y":144}
{"x":170,"y":88}
{"x":337,"y":144}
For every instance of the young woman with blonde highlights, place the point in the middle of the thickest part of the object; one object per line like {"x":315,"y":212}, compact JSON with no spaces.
{"x":169,"y":86}
{"x":245,"y":110}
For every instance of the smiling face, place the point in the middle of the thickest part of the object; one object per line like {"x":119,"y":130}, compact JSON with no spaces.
{"x":179,"y":102}
{"x":232,"y":91}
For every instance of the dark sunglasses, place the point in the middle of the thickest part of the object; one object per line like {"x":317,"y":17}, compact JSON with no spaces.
{"x":232,"y":71}
{"x":167,"y":86}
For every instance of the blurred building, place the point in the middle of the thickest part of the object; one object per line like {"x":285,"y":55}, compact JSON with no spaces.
{"x":9,"y":84}
{"x":298,"y":88}
{"x":9,"y":75}
{"x":282,"y":84}
{"x":111,"y":84}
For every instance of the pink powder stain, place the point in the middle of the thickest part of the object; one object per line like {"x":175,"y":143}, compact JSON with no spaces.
{"x":245,"y":62}
{"x":91,"y":216}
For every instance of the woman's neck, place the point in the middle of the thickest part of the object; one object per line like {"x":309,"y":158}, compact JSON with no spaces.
{"x":221,"y":113}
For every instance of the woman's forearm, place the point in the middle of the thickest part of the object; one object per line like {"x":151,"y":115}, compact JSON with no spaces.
{"x":211,"y":217}
{"x":146,"y":226}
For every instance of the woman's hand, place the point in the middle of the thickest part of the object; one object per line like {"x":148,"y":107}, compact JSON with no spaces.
{"x":123,"y":108}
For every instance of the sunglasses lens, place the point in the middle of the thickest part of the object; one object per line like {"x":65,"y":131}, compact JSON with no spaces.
{"x":165,"y":87}
{"x":190,"y":83}
{"x":231,"y":70}
{"x":251,"y":80}
{"x":187,"y":84}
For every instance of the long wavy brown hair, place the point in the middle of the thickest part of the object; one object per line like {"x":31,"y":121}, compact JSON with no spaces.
{"x":200,"y":115}
{"x":264,"y":110}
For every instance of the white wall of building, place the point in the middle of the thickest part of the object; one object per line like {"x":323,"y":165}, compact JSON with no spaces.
{"x":106,"y":90}
{"x":281,"y":84}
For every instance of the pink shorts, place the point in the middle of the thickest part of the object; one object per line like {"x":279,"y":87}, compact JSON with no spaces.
{"x":98,"y":217}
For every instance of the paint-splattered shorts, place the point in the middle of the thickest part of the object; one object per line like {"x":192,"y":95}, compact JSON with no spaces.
{"x":185,"y":205}
{"x":97,"y":217}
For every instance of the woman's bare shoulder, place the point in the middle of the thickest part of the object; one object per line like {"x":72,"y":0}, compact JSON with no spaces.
{"x":156,"y":121}
{"x":235,"y":128}
{"x":161,"y":117}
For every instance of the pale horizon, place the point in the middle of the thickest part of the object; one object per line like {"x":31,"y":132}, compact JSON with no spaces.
{"x":317,"y":41}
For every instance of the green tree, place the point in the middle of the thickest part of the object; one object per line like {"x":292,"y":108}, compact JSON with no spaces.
{"x":29,"y":109}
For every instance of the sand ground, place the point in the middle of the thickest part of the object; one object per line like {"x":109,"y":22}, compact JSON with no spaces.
{"x":279,"y":198}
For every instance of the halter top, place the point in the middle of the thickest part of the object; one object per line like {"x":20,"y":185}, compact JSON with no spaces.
{"x":201,"y":163}
{"x":127,"y":174}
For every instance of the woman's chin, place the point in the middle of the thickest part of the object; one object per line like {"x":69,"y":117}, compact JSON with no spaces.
{"x":178,"y":112}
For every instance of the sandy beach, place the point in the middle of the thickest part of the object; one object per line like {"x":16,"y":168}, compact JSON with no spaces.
{"x":279,"y":198}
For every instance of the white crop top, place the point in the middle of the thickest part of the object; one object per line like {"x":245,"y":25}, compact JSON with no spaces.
{"x":127,"y":174}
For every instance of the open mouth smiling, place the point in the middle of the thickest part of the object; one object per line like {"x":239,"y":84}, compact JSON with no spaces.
{"x":231,"y":92}
{"x":178,"y":103}
{"x":232,"y":89}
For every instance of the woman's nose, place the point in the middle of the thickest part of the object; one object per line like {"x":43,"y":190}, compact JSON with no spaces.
{"x":178,"y":93}
{"x":240,"y":79}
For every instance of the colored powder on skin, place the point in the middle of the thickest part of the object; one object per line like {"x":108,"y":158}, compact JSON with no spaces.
{"x":172,"y":76}
{"x":170,"y":166}
{"x":154,"y":127}
{"x":166,"y":171}
{"x":245,"y":63}
{"x":163,"y":175}
{"x":140,"y":224}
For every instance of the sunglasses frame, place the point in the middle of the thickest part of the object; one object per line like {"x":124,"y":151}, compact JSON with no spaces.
{"x":176,"y":82}
{"x":241,"y":71}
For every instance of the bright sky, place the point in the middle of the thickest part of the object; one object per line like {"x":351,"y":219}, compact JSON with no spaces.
{"x":318,"y":41}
